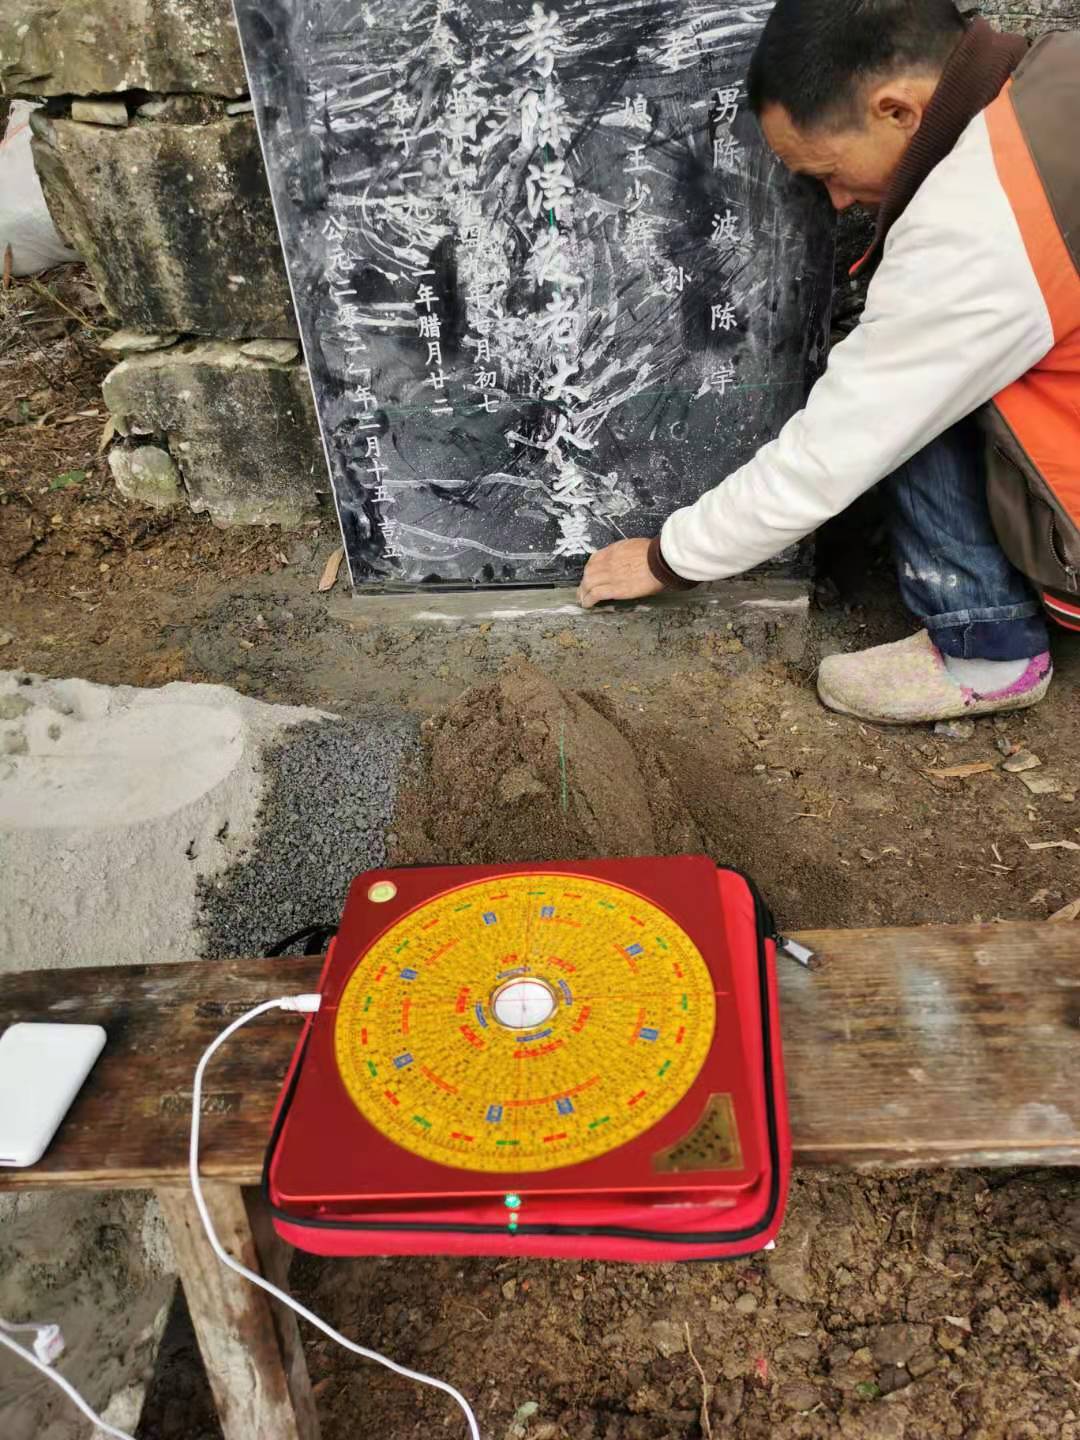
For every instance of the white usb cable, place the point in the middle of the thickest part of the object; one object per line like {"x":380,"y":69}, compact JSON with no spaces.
{"x":306,"y":1004}
{"x":49,"y":1343}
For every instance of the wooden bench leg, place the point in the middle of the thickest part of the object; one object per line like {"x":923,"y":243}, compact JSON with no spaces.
{"x":250,"y":1343}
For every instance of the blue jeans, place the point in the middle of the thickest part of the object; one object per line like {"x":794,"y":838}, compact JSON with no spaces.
{"x":953,"y":573}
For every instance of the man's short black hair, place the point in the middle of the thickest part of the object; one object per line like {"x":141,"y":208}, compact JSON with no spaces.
{"x":814,"y":54}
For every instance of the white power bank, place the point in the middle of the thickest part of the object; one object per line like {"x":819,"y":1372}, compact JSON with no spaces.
{"x":42,"y":1069}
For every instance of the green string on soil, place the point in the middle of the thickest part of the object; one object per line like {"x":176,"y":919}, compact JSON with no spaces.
{"x":562,"y":765}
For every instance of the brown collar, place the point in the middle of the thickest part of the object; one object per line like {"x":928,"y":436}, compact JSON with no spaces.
{"x":973,"y":76}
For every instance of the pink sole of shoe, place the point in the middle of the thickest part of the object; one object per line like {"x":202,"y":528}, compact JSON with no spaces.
{"x":1000,"y":705}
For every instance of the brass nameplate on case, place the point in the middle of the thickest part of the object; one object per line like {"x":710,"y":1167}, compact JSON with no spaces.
{"x":713,"y":1143}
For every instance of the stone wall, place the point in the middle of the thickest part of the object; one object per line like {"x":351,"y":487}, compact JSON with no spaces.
{"x":202,"y":401}
{"x":151,"y":166}
{"x":1030,"y":17}
{"x":67,"y":47}
{"x":172,"y":214}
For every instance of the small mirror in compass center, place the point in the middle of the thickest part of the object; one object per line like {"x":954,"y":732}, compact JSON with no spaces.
{"x":523,"y":1003}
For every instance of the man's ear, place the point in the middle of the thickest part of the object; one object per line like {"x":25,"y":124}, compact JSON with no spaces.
{"x":898,"y":103}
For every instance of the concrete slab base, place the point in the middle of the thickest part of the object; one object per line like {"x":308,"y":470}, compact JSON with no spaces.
{"x":768,"y":612}
{"x":114,"y":802}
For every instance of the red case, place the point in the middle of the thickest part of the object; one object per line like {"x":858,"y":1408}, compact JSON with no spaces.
{"x":337,"y":1186}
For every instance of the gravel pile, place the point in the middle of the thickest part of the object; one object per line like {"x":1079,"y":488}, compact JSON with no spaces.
{"x":330,"y":792}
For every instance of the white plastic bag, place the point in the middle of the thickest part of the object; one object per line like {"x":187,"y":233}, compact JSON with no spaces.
{"x":25,"y":222}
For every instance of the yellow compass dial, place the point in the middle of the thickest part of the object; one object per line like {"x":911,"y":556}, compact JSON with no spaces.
{"x":524,"y":1023}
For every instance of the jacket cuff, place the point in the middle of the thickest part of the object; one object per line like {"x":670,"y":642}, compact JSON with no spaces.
{"x":663,"y":572}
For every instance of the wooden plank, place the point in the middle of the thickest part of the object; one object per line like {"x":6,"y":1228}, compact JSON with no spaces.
{"x":260,"y":1385}
{"x":950,"y":1045}
{"x":937,"y":1046}
{"x":130,"y":1125}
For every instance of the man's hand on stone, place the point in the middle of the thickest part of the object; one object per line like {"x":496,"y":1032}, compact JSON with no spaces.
{"x":621,"y":572}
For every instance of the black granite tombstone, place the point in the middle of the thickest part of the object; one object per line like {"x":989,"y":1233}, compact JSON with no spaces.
{"x":551,"y":283}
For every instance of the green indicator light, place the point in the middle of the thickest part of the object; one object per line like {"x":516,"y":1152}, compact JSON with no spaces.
{"x":368,"y":1001}
{"x":684,"y":1003}
{"x":507,"y":1142}
{"x":664,"y":1068}
{"x":372,"y":1067}
{"x":513,"y":1202}
{"x":602,"y":1121}
{"x":426,"y":1124}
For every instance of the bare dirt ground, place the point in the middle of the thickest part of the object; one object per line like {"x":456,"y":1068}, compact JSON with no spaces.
{"x":895,"y":1306}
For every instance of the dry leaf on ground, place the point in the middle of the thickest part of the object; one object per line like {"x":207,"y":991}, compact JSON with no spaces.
{"x":328,"y":578}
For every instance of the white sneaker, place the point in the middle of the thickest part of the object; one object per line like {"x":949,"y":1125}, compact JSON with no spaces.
{"x":907,"y":682}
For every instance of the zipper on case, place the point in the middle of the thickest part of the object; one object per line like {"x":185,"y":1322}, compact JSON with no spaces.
{"x":767,"y":924}
{"x":794,"y":951}
{"x":1071,"y":571}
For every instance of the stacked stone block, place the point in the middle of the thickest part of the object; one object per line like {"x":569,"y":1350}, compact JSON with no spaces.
{"x":150,"y":162}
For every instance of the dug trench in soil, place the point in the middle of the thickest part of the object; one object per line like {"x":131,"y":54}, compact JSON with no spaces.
{"x":925,"y":1305}
{"x":841,"y":823}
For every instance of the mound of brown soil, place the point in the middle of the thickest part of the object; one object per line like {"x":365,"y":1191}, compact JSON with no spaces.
{"x":520,"y":770}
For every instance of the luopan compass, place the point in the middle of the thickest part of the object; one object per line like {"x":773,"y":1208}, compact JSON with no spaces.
{"x":561,"y":1059}
{"x":524,"y":1023}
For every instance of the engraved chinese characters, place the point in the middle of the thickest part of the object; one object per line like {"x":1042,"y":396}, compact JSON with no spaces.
{"x":550,"y":282}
